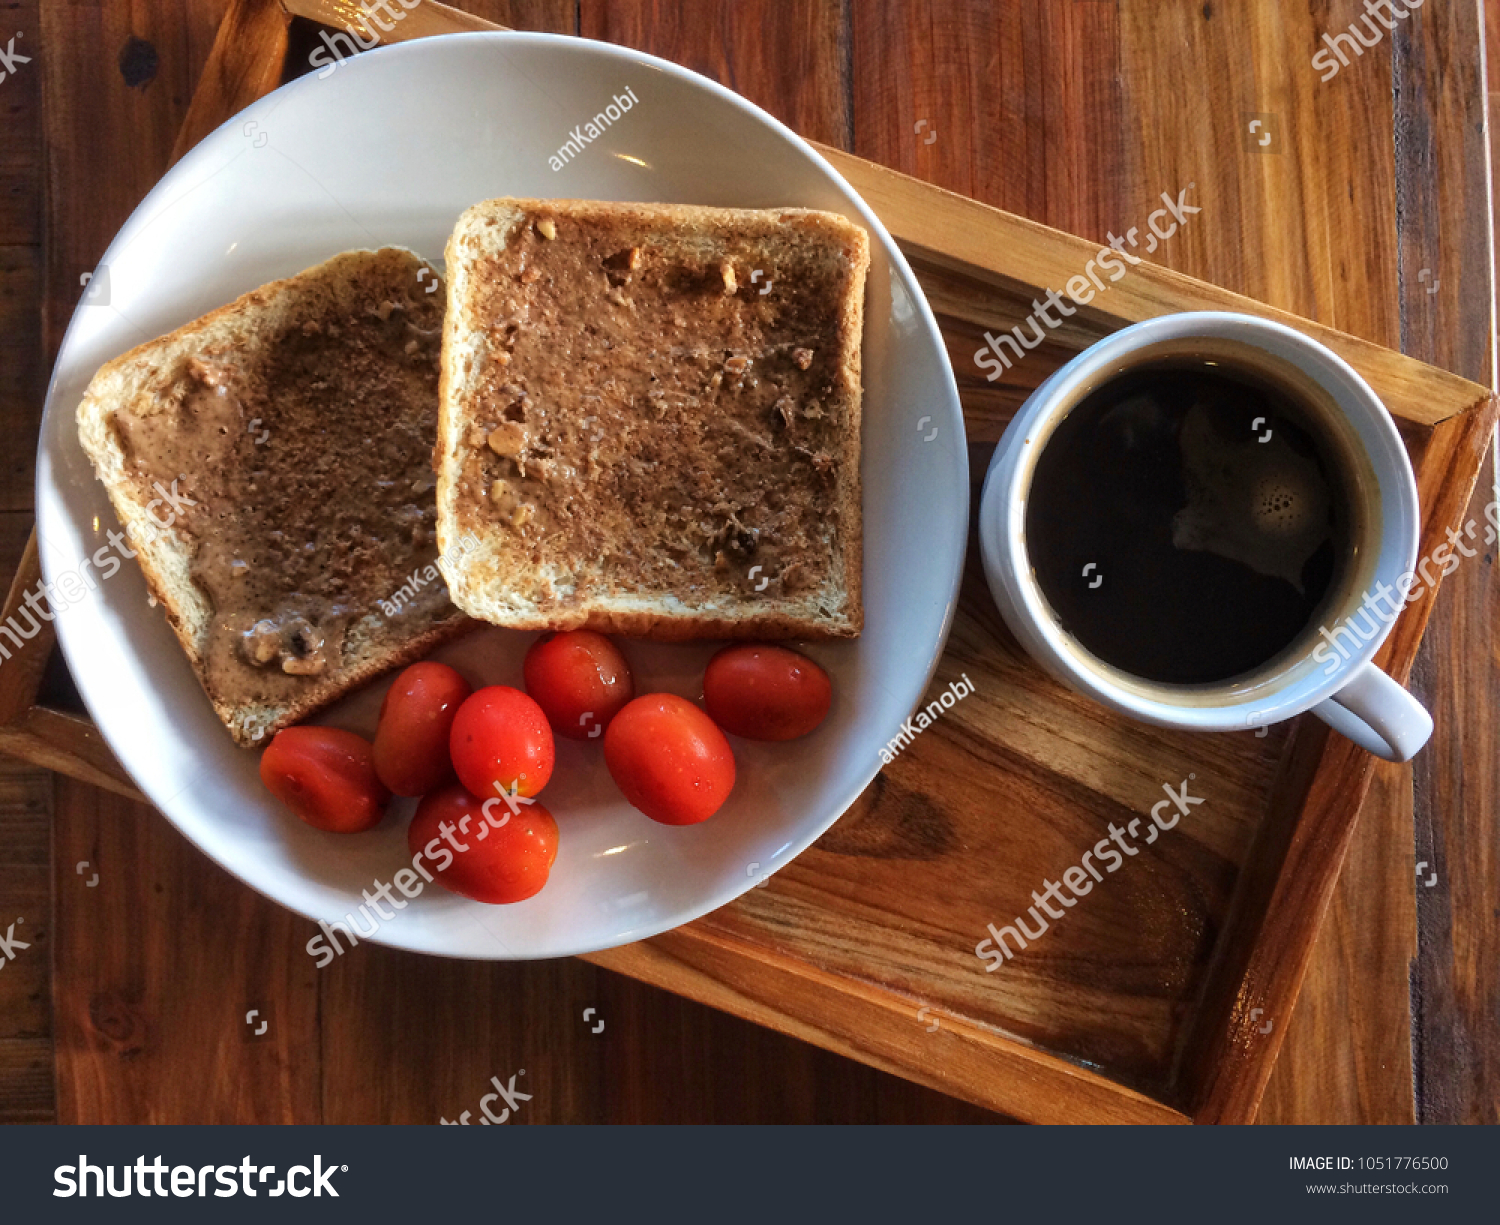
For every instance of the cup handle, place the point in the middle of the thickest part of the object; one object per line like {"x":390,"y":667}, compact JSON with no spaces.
{"x":1378,"y":715}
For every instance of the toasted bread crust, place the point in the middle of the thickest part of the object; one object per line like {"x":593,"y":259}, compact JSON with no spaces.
{"x":166,"y":554}
{"x":253,"y":725}
{"x":497,"y":582}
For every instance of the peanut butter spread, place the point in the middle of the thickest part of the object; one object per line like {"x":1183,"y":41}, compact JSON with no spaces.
{"x":656,"y":411}
{"x":298,"y":468}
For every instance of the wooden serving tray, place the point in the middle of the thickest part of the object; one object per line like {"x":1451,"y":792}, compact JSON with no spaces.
{"x":1165,"y":997}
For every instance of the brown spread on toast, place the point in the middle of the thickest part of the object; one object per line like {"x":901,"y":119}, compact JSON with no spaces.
{"x":643,"y":404}
{"x":280,"y":464}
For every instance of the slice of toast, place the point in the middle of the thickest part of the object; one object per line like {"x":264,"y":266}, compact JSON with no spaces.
{"x":649,"y":419}
{"x":270,"y":463}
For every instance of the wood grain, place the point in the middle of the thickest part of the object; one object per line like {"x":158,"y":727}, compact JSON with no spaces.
{"x":422,"y":21}
{"x":1248,"y":200}
{"x":1360,"y":964}
{"x":1341,"y":1059}
{"x":69,"y":744}
{"x":156,"y":968}
{"x":1017,"y":106}
{"x":103,"y":131}
{"x":22,"y":664}
{"x":1456,"y":979}
{"x":20,"y":101}
{"x":1021,"y":255}
{"x":442,"y":1029}
{"x":865,"y":1021}
{"x":244,"y":64}
{"x":23,"y":376}
{"x":25,"y":916}
{"x":787,"y":58}
{"x":26,"y":1081}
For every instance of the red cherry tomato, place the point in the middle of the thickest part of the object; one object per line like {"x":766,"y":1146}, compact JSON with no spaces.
{"x":501,"y":742}
{"x":327,"y":777}
{"x":411,"y":741}
{"x":580,"y":680}
{"x":669,"y":759}
{"x":480,"y":849}
{"x":766,"y":692}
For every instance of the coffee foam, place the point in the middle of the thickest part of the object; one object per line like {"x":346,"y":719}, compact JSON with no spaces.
{"x":1260,"y":503}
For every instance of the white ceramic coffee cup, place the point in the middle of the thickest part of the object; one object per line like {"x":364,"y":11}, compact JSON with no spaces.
{"x":1327,"y":669}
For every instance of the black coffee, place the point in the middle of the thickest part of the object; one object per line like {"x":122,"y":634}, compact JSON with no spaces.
{"x":1185,"y":522}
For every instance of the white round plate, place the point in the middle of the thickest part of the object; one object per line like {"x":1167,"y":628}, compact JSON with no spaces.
{"x":387,"y":148}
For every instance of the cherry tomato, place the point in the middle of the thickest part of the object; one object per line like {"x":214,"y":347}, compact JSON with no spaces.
{"x":766,"y":692}
{"x":327,"y":777}
{"x":669,"y":759}
{"x":580,"y":680}
{"x":411,"y":741}
{"x":501,"y":741}
{"x":490,"y":856}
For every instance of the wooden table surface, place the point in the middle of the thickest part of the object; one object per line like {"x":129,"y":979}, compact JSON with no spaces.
{"x":128,"y":1004}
